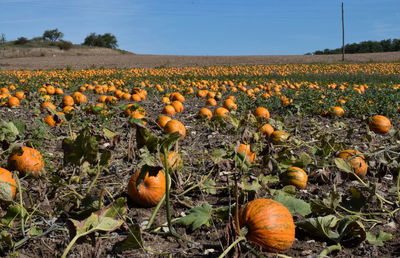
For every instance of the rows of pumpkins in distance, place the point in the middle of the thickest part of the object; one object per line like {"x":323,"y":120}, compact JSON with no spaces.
{"x":148,"y":193}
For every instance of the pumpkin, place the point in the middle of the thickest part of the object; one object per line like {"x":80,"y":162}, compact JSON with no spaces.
{"x":50,"y":90}
{"x":177,"y":96}
{"x":150,"y":191}
{"x":48,"y":105}
{"x":54,"y":120}
{"x":169,"y":110}
{"x":68,"y":101}
{"x":230,"y":104}
{"x":295,"y":176}
{"x":59,"y":91}
{"x":269,"y":224}
{"x":379,"y":124}
{"x":279,"y":137}
{"x":68,"y":109}
{"x":266,"y":130}
{"x":175,"y":126}
{"x":337,"y":111}
{"x":221,"y":112}
{"x":174,"y":160}
{"x":136,"y":97}
{"x":205,"y":113}
{"x":163,"y":120}
{"x":26,"y":161}
{"x":245,"y":149}
{"x":20,"y":95}
{"x":13,"y":102}
{"x":8,"y":184}
{"x":178,"y":106}
{"x":211,"y":102}
{"x":165,"y":100}
{"x":358,"y":163}
{"x":261,"y":112}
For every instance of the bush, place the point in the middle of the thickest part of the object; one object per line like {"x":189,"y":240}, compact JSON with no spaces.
{"x":65,"y":45}
{"x":106,"y":40}
{"x":21,"y":41}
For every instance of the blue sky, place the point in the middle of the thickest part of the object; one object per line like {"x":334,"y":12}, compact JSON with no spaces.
{"x":206,"y":27}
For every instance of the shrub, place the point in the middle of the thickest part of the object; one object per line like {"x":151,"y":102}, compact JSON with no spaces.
{"x":65,"y":45}
{"x":21,"y":41}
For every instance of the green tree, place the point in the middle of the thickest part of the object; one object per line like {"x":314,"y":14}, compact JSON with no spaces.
{"x":106,"y":40}
{"x":2,"y":38}
{"x":53,"y":35}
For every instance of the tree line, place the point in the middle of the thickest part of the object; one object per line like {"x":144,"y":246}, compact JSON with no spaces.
{"x":55,"y":37}
{"x":386,"y":45}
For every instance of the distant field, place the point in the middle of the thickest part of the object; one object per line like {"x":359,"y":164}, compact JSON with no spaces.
{"x":99,"y":58}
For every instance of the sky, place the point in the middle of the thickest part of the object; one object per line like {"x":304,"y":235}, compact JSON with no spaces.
{"x":207,"y":27}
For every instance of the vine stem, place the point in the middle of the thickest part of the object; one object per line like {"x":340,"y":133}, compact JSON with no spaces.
{"x":94,"y":180}
{"x":153,"y":215}
{"x":329,"y":250}
{"x":227,"y":250}
{"x":70,"y":245}
{"x":21,"y":204}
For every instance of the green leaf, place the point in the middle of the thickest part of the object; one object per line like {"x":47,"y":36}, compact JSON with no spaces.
{"x":8,"y":131}
{"x":343,"y":165}
{"x":351,"y":231}
{"x":107,"y":219}
{"x":14,"y":212}
{"x":133,"y":241}
{"x":218,"y":155}
{"x":109,"y":134}
{"x":378,"y":239}
{"x":320,"y":226}
{"x":293,"y":204}
{"x":253,"y":186}
{"x":198,"y":216}
{"x":105,"y":158}
{"x":327,"y":205}
{"x":84,"y":148}
{"x":208,"y":186}
{"x":303,"y":160}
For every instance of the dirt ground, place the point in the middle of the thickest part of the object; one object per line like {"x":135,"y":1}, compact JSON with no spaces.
{"x":99,"y":59}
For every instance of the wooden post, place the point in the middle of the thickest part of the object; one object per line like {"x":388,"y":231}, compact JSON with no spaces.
{"x":342,"y":32}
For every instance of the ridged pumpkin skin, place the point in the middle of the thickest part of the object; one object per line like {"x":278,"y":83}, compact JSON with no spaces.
{"x":269,"y":224}
{"x":150,"y":191}
{"x":29,"y":162}
{"x":7,"y":185}
{"x":379,"y":124}
{"x":356,"y":162}
{"x":295,"y":176}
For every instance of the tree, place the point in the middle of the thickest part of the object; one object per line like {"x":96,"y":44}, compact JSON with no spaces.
{"x":106,"y":40}
{"x":2,"y":38}
{"x":21,"y":41}
{"x":53,"y":35}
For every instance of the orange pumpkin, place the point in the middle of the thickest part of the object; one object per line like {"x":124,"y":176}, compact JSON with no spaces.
{"x":269,"y":224}
{"x":295,"y":176}
{"x":68,"y":101}
{"x":211,"y":102}
{"x":26,"y":161}
{"x":48,"y":105}
{"x":169,"y":110}
{"x":230,"y":104}
{"x":221,"y":112}
{"x":205,"y":113}
{"x":20,"y":95}
{"x":13,"y":102}
{"x":245,"y":149}
{"x":266,"y":130}
{"x":8,"y":185}
{"x":178,"y":106}
{"x":163,"y":120}
{"x":175,"y":126}
{"x":358,"y":163}
{"x":150,"y":191}
{"x":337,"y":111}
{"x":177,"y":96}
{"x":379,"y":124}
{"x":261,"y":112}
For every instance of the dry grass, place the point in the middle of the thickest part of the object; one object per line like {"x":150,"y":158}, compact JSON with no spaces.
{"x":94,"y":58}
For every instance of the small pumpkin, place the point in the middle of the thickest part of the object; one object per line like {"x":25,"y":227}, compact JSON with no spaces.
{"x":266,"y":130}
{"x":205,"y":113}
{"x":177,"y":96}
{"x":163,"y":120}
{"x":269,"y":224}
{"x":178,"y":106}
{"x":279,"y":137}
{"x":358,"y":163}
{"x":13,"y":102}
{"x":261,"y":112}
{"x":27,"y":161}
{"x":379,"y":124}
{"x":221,"y":112}
{"x":295,"y":176}
{"x":337,"y":111}
{"x":68,"y":101}
{"x":211,"y":102}
{"x":8,"y":184}
{"x":48,"y":105}
{"x":245,"y":149}
{"x":150,"y":191}
{"x":230,"y":104}
{"x":169,"y":110}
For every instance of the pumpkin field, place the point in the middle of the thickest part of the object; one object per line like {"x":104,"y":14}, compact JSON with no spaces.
{"x":296,"y":160}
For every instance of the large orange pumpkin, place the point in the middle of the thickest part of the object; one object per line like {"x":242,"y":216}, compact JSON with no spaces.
{"x":269,"y":224}
{"x":150,"y":191}
{"x":26,"y":161}
{"x":379,"y":124}
{"x":8,"y":184}
{"x":175,"y":126}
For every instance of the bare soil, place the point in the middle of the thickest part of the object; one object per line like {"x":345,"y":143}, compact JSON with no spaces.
{"x":44,"y":59}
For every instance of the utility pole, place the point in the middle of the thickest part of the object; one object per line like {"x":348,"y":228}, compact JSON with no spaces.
{"x":342,"y":32}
